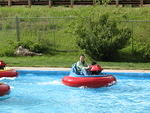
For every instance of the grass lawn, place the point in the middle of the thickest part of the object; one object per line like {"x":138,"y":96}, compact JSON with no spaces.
{"x":66,"y":60}
{"x":62,"y":39}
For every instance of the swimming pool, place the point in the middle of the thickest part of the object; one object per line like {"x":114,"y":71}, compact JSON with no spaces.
{"x":43,"y":92}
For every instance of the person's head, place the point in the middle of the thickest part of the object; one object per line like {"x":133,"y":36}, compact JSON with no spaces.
{"x":82,"y":58}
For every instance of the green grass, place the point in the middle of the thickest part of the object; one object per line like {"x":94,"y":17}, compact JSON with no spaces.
{"x":43,"y":11}
{"x":66,"y":60}
{"x":62,"y":39}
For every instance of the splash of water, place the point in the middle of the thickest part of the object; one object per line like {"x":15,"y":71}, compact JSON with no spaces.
{"x":8,"y":78}
{"x":55,"y":82}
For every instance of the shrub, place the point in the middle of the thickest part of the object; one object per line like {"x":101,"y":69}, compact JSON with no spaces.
{"x":100,"y":38}
{"x":41,"y":46}
{"x":142,"y":51}
{"x":7,"y":51}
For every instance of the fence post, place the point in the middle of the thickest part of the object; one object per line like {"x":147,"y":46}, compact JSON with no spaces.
{"x":50,"y":3}
{"x":9,"y":3}
{"x":29,"y":3}
{"x":117,"y":2}
{"x":141,"y":3}
{"x":94,"y":2}
{"x":17,"y":29}
{"x":132,"y":40}
{"x":71,"y":3}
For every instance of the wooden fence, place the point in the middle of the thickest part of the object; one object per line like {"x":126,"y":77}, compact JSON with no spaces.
{"x":51,"y":3}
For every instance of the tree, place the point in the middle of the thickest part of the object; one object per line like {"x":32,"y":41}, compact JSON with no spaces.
{"x":100,"y":38}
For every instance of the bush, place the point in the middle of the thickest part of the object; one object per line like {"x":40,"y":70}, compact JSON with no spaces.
{"x":41,"y":46}
{"x":100,"y":38}
{"x":142,"y":51}
{"x":7,"y":51}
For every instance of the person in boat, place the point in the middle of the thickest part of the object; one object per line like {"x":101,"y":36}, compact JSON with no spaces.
{"x":2,"y":65}
{"x":81,"y":67}
{"x":95,"y":69}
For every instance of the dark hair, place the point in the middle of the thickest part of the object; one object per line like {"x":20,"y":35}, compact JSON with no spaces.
{"x":82,"y":55}
{"x":93,"y":63}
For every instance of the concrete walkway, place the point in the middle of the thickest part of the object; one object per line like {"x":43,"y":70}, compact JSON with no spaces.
{"x":68,"y":69}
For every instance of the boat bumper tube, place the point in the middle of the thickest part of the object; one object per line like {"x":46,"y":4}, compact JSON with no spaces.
{"x":90,"y":82}
{"x":4,"y":89}
{"x":8,"y":73}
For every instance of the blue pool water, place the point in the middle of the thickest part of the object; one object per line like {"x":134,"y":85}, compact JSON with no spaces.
{"x":43,"y":92}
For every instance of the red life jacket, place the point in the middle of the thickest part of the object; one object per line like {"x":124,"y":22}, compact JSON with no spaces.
{"x":95,"y":68}
{"x":2,"y":63}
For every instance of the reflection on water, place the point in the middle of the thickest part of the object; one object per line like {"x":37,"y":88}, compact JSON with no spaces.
{"x":2,"y":98}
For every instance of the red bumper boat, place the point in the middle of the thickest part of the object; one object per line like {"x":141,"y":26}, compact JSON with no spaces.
{"x":8,"y":73}
{"x":4,"y":89}
{"x":89,"y":81}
